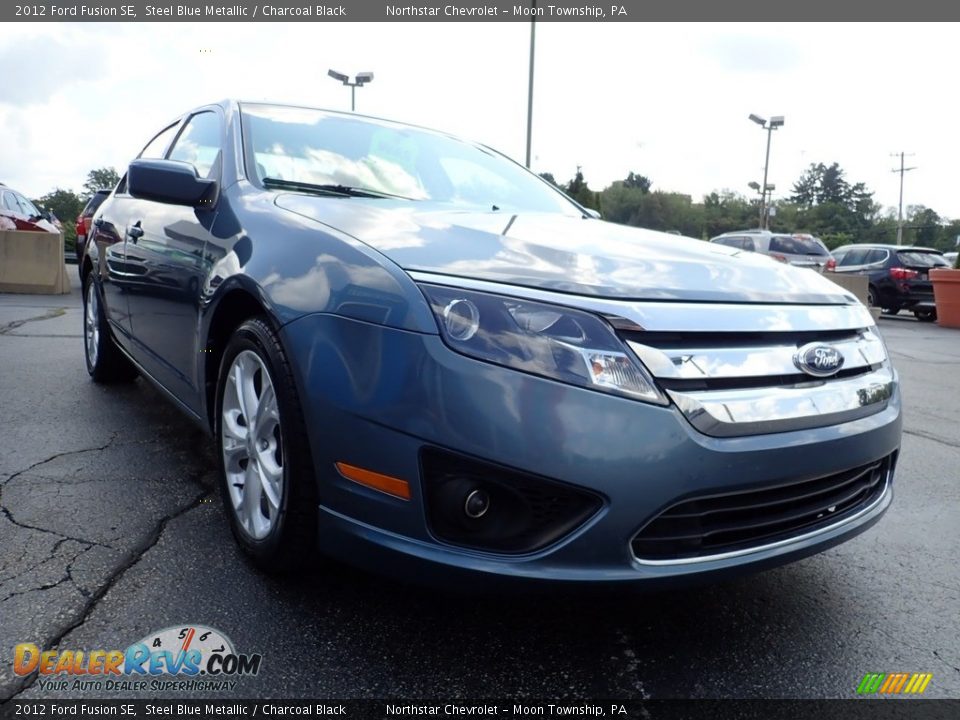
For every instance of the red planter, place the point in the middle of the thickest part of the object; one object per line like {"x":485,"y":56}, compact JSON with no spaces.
{"x":946,"y":294}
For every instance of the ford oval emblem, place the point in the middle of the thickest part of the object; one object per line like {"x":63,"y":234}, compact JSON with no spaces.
{"x":818,"y":360}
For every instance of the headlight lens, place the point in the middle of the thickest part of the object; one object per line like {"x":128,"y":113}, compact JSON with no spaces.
{"x":557,"y":342}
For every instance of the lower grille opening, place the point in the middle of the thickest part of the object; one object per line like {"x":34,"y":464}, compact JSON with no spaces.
{"x":705,"y":526}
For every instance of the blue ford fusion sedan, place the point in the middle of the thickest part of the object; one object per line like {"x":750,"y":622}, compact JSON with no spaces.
{"x":416,"y":356}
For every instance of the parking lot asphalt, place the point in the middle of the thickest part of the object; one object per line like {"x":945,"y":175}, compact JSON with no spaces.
{"x":110,"y":528}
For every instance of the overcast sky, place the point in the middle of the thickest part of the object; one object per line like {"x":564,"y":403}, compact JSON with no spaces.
{"x":669,"y":101}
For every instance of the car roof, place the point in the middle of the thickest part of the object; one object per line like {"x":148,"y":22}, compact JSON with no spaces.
{"x":889,"y":246}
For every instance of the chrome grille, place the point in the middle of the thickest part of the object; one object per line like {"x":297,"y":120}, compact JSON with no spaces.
{"x":701,"y":528}
{"x":746,"y":383}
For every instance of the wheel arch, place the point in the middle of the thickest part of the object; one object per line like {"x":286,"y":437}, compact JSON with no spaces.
{"x":233,"y":308}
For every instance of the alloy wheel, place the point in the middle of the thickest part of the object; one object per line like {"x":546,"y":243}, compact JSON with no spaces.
{"x":252,"y":445}
{"x":91,"y":325}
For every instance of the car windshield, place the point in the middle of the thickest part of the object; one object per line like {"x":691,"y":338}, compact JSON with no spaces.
{"x":291,"y":146}
{"x":918,"y":258}
{"x":796,"y":245}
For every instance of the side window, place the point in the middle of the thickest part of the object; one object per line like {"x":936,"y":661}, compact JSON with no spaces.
{"x":199,"y":143}
{"x":728,"y":241}
{"x":747,"y":244}
{"x":29,"y":209}
{"x":875,"y":257}
{"x":10,"y":203}
{"x":854,"y":257}
{"x":156,"y":147}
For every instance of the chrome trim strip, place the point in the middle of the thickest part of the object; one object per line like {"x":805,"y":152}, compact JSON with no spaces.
{"x":745,"y":361}
{"x":780,"y":543}
{"x":752,"y":411}
{"x":680,"y":316}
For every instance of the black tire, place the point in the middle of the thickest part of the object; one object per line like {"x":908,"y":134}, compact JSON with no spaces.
{"x":925,"y":315}
{"x":289,"y":541}
{"x":104,"y":360}
{"x":871,"y":297}
{"x":890,"y":311}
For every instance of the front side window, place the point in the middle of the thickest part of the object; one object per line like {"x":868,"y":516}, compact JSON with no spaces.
{"x":29,"y":209}
{"x":287,"y":145}
{"x":199,"y":143}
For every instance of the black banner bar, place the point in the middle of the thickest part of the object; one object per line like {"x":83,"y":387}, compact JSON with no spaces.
{"x":470,"y":11}
{"x":855,"y":709}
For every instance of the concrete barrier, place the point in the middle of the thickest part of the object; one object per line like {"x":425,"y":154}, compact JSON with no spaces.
{"x":857,"y":284}
{"x":32,"y":262}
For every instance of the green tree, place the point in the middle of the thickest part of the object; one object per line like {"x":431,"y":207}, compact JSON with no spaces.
{"x":642,"y":182}
{"x":550,"y":178}
{"x":925,"y":227}
{"x":105,"y":178}
{"x":66,"y":205}
{"x":581,"y":192}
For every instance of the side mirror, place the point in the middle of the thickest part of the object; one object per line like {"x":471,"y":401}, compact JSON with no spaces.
{"x":591,"y":213}
{"x":170,"y":181}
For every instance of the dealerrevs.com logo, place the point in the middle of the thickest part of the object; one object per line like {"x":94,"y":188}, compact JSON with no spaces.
{"x":185,"y":658}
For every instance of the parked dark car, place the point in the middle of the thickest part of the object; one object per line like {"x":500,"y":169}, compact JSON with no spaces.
{"x":24,"y":215}
{"x":85,"y":218}
{"x":897,"y":275}
{"x":419,"y":357}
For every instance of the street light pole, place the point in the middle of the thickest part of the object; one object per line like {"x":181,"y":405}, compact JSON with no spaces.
{"x":360,"y":80}
{"x":763,"y":197}
{"x":775,"y":122}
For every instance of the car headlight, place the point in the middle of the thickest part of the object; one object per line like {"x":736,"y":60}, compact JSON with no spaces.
{"x":557,"y":342}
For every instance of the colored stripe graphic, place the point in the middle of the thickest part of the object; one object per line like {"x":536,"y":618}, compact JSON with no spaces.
{"x":894,"y":683}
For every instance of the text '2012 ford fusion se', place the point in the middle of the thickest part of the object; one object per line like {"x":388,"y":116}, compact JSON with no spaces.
{"x":417,"y":356}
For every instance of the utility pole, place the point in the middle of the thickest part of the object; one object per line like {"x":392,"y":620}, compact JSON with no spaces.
{"x":901,"y":170}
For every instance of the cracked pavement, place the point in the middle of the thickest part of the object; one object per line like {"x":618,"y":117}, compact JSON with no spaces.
{"x":110,"y":529}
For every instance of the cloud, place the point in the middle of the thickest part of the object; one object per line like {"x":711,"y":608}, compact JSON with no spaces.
{"x":754,"y":53}
{"x":38,"y":67}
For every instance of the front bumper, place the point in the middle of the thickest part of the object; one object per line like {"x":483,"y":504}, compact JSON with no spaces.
{"x":374,"y":397}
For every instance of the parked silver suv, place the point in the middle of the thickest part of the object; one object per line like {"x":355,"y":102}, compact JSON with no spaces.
{"x":796,"y":249}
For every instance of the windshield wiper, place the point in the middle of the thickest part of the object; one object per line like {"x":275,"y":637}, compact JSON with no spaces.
{"x":329,"y":189}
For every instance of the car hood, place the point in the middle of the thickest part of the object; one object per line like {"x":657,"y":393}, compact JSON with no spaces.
{"x":562,"y":253}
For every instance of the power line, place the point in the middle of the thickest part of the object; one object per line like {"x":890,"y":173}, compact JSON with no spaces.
{"x":901,"y":170}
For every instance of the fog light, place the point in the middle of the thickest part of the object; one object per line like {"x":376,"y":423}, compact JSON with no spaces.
{"x":476,"y":504}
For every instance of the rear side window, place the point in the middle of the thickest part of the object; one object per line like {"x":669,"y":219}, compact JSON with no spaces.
{"x":921,"y":259}
{"x":795,"y":246}
{"x":741,"y":243}
{"x":856,"y":256}
{"x":875,"y":257}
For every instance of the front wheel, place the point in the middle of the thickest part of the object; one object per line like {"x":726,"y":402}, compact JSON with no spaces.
{"x":267,"y":481}
{"x":105,"y":363}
